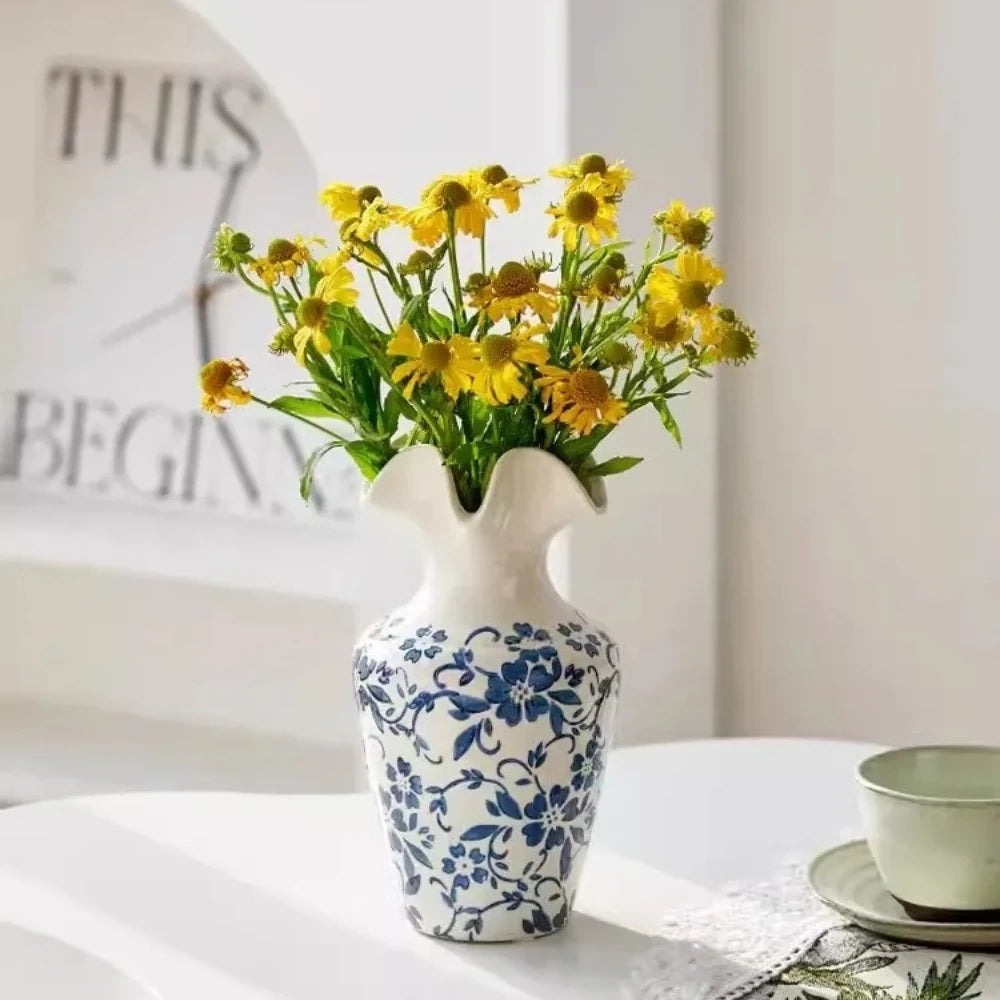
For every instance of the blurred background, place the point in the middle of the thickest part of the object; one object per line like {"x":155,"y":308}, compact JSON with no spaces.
{"x":819,"y":559}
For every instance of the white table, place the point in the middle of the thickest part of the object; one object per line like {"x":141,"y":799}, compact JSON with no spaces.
{"x":244,"y":897}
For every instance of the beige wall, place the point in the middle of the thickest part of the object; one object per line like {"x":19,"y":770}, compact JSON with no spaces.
{"x":860,"y":482}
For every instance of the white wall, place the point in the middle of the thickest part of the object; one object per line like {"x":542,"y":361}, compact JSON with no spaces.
{"x":860,"y":483}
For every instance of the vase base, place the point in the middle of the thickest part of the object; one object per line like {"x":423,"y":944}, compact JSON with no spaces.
{"x":489,"y":936}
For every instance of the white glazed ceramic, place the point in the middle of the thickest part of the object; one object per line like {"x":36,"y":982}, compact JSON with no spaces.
{"x":847,"y":879}
{"x":36,"y":967}
{"x":932,"y":818}
{"x":486,"y":703}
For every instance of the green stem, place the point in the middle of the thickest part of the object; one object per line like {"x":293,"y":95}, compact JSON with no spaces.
{"x":300,"y":418}
{"x":249,"y":281}
{"x":456,"y":281}
{"x":381,"y":304}
{"x":296,"y":288}
{"x":482,"y":251}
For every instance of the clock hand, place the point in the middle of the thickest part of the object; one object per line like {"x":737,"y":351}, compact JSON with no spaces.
{"x":162,"y":312}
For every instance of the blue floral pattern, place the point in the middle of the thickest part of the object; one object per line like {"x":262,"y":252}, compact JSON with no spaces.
{"x":488,"y":750}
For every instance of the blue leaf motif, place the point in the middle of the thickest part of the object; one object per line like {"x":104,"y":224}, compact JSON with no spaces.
{"x":565,"y":697}
{"x":412,"y":885}
{"x":463,"y":742}
{"x":541,"y":921}
{"x":378,"y":694}
{"x":556,"y":718}
{"x":467,"y":703}
{"x":565,"y":859}
{"x":481,"y":832}
{"x":418,"y":854}
{"x":508,"y":805}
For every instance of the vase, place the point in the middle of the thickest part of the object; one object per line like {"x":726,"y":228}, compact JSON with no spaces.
{"x":486,"y":703}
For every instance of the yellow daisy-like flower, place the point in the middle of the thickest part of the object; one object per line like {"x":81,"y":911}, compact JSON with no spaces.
{"x":284,"y":258}
{"x":512,"y":290}
{"x":612,"y":177}
{"x":587,"y":207}
{"x":687,"y":291}
{"x":729,"y":338}
{"x":690,"y":228}
{"x":461,"y":194}
{"x":219,"y":391}
{"x":453,"y":361}
{"x":498,"y":379}
{"x":344,"y":201}
{"x":311,"y":314}
{"x":498,"y":185}
{"x":377,"y":215}
{"x":581,"y":399}
{"x":663,"y":331}
{"x":337,"y":283}
{"x":605,"y":285}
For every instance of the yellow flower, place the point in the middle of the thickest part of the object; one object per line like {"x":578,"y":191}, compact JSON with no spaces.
{"x":497,"y":184}
{"x":612,"y":177}
{"x":690,"y":228}
{"x":664,"y":330}
{"x":347,"y":202}
{"x":453,"y":360}
{"x":687,"y":292}
{"x":284,"y":258}
{"x":729,"y":338}
{"x":580,"y":399}
{"x":605,"y":284}
{"x":377,"y":215}
{"x":218,"y":385}
{"x":512,"y":290}
{"x":498,"y":379}
{"x":311,"y":314}
{"x":461,"y":194}
{"x":337,"y":283}
{"x":587,"y":207}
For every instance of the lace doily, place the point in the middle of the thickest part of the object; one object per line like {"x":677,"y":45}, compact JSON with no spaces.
{"x":747,"y":936}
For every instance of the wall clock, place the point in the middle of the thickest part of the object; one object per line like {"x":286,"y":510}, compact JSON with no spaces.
{"x":136,"y":162}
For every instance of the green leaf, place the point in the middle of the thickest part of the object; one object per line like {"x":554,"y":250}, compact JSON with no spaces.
{"x":394,"y":407}
{"x":613,"y":466}
{"x":578,"y":449}
{"x":369,"y":456}
{"x":309,"y":469}
{"x":667,"y":419}
{"x":303,"y":407}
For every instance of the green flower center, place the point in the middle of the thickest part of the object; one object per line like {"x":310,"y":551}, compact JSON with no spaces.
{"x":368,"y":194}
{"x":593,"y":163}
{"x":215,"y":376}
{"x":494,"y":174}
{"x":311,"y":311}
{"x":582,"y":208}
{"x":616,"y":260}
{"x":498,"y":350}
{"x":475,"y":281}
{"x":588,"y":388}
{"x":240,"y":243}
{"x":454,"y":194}
{"x":435,"y":356}
{"x":727,"y":314}
{"x":278,"y":251}
{"x":694,"y":231}
{"x":618,"y":355}
{"x":693,"y":294}
{"x":419,"y":260}
{"x":513,"y":279}
{"x":605,"y":279}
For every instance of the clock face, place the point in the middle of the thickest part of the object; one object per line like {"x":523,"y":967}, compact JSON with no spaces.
{"x":137,"y":167}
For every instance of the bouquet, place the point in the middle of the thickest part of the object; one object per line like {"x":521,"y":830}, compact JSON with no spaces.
{"x":549,"y":351}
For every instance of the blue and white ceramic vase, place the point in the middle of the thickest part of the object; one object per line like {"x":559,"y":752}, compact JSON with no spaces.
{"x":486,"y":703}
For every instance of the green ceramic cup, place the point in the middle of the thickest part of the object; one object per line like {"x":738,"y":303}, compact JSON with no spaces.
{"x":932,"y":818}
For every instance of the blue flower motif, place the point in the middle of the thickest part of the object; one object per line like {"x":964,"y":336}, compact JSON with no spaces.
{"x":587,"y":766}
{"x":425,"y":642}
{"x":404,"y":785}
{"x":384,"y":673}
{"x":574,"y":675}
{"x":523,"y":633}
{"x":465,"y":865}
{"x":547,"y":814}
{"x":517,"y":689}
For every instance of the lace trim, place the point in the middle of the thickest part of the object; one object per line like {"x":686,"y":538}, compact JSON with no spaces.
{"x":745,"y":938}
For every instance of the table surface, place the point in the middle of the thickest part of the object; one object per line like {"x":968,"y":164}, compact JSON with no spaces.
{"x":208,"y":896}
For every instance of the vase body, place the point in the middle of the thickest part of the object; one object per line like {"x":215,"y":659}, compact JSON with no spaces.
{"x":486,"y":704}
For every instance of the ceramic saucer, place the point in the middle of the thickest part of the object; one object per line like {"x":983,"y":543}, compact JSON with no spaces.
{"x":846,"y":879}
{"x":35,"y":967}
